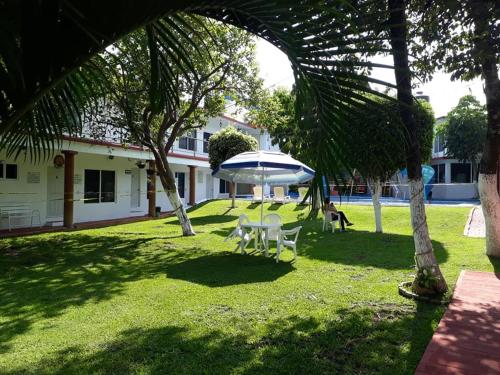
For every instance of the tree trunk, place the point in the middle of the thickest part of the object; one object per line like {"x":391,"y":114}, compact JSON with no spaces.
{"x":167,"y":179}
{"x":376,"y":190}
{"x":424,"y":255}
{"x":490,"y":202}
{"x":488,"y":167}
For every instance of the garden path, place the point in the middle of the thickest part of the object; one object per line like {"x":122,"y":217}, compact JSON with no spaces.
{"x":467,"y":339}
{"x":474,"y":227}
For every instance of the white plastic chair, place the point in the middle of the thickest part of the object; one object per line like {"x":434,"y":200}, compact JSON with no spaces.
{"x":244,"y":236}
{"x":327,"y":220}
{"x":279,"y":195}
{"x":273,"y":232}
{"x":257,"y":193}
{"x":285,"y":241}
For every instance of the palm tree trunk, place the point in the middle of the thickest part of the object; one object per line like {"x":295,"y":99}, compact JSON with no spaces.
{"x":488,"y":167}
{"x":376,"y":190}
{"x":424,"y":255}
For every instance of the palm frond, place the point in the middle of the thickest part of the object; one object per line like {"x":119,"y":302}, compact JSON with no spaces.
{"x":327,"y":44}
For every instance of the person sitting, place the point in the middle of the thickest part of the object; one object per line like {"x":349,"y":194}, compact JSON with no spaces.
{"x":329,"y":208}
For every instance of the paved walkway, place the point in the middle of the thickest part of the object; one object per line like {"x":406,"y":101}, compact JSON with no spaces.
{"x":467,"y":340}
{"x":474,"y":227}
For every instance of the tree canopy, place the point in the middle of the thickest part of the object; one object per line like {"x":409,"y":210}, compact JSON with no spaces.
{"x":228,"y":142}
{"x":377,"y":142}
{"x":328,"y":68}
{"x":464,"y":130}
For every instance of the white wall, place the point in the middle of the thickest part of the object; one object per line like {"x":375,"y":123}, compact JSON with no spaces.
{"x":454,"y":191}
{"x":108,"y":210}
{"x":22,"y":192}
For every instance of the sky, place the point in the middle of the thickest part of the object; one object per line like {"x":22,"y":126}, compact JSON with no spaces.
{"x":444,"y":94}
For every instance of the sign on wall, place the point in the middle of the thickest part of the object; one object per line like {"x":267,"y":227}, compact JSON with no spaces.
{"x":33,"y":178}
{"x":77,"y":179}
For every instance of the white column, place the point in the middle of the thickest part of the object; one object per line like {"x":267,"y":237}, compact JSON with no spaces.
{"x":447,"y":172}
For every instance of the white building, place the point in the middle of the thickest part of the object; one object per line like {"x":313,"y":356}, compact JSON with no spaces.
{"x":91,"y":180}
{"x":452,"y":179}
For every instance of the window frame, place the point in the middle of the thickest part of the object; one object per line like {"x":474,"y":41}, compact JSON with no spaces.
{"x":190,"y":138}
{"x":3,"y":169}
{"x":468,"y":179}
{"x":205,"y":141}
{"x":99,"y":198}
{"x":226,"y":186}
{"x":437,"y":171}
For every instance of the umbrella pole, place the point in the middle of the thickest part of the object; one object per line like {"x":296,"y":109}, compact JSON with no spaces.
{"x":262,"y":197}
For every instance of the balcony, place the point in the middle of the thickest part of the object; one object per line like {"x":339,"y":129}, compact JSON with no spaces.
{"x":191,"y":146}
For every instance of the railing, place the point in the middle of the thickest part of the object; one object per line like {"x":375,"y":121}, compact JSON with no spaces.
{"x":183,"y":145}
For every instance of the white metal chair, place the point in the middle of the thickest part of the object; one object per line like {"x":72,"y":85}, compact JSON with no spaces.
{"x":279,"y":195}
{"x":327,"y":220}
{"x":286,"y":241}
{"x":244,"y":236}
{"x":273,"y":232}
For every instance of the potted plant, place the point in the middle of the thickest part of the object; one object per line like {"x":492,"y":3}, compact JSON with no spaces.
{"x":424,"y":282}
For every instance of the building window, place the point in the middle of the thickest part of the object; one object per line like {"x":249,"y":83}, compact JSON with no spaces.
{"x":206,"y":136}
{"x":439,"y":173}
{"x":99,"y":186}
{"x":460,"y":172}
{"x":438,"y":144}
{"x":8,"y":171}
{"x":188,"y":141}
{"x":223,"y":187}
{"x":181,"y":182}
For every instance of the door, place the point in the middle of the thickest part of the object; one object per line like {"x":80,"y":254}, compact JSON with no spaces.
{"x":209,"y":186}
{"x":135,"y":188}
{"x":55,"y":192}
{"x":181,"y":181}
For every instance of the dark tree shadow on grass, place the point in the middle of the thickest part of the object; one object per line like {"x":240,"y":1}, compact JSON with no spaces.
{"x":223,"y":269}
{"x":382,"y":250}
{"x":40,"y":277}
{"x":206,"y":220}
{"x":372,"y":339}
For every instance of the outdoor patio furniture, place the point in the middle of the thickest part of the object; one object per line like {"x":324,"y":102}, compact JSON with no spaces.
{"x":327,"y":220}
{"x":279,"y":195}
{"x":286,"y":241}
{"x":263,"y":232}
{"x":257,"y":194}
{"x":19,"y":212}
{"x":264,"y":167}
{"x":244,"y":236}
{"x":273,"y":233}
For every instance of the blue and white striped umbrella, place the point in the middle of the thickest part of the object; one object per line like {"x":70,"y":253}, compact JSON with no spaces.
{"x":264,"y":167}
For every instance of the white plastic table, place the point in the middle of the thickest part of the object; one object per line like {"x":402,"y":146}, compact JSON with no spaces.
{"x":258,"y":228}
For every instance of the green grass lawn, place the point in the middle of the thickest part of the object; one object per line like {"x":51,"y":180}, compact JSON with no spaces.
{"x":139,"y":298}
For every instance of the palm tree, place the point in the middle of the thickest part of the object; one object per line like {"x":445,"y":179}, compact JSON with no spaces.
{"x":424,"y":255}
{"x":46,"y":73}
{"x":47,"y":78}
